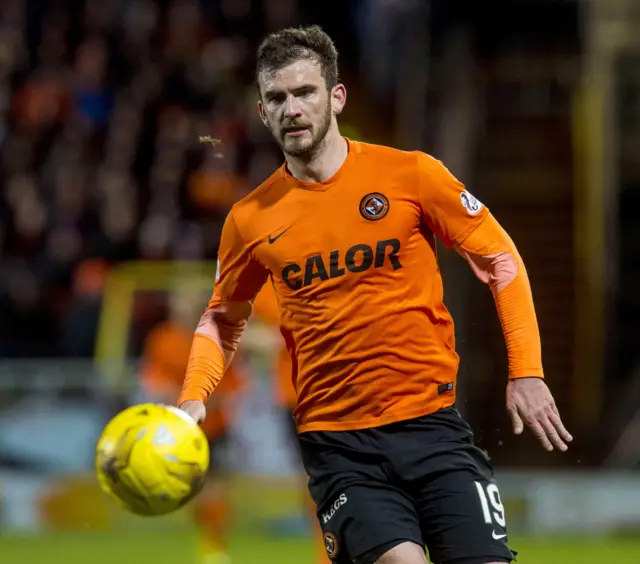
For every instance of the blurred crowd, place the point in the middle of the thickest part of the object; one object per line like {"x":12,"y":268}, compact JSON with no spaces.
{"x":102,"y":108}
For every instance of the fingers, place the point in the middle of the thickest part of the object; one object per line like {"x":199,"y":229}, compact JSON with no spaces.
{"x":548,"y":429}
{"x":552,"y":434}
{"x":199,"y":415}
{"x":539,"y":432}
{"x":196,"y":411}
{"x":554,"y":417}
{"x":518,"y":425}
{"x":530,"y":401}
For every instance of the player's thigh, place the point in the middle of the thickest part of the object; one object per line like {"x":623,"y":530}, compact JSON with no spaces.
{"x":403,"y":553}
{"x":364,"y":520}
{"x":361,"y":511}
{"x":462,"y":516}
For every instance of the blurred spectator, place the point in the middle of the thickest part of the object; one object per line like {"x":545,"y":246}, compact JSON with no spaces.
{"x":80,"y":319}
{"x":101,"y":110}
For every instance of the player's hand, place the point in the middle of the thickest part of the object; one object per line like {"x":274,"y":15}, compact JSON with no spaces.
{"x":195,"y":409}
{"x":530,"y":402}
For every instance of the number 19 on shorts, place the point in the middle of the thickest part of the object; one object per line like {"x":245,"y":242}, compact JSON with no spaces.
{"x":492,"y":508}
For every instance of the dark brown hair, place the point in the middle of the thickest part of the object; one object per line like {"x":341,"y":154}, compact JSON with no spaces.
{"x":281,"y":48}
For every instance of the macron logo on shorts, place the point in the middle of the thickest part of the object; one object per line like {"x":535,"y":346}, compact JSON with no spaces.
{"x":337,"y":504}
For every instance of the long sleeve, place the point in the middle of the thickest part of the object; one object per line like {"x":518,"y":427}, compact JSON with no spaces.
{"x":495,"y":261}
{"x":239,"y":278}
{"x":464,"y":223}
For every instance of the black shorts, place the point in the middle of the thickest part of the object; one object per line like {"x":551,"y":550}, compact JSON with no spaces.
{"x":420,"y":480}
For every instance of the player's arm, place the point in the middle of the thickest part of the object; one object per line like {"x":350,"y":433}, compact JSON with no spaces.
{"x":466,"y":225}
{"x":239,"y":279}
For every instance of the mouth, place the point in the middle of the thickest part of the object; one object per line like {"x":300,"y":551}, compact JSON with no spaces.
{"x":295,"y":131}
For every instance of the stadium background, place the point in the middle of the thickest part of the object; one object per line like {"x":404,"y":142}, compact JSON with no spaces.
{"x":109,"y":205}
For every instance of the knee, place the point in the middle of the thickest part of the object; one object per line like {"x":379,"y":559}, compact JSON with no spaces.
{"x":404,"y":553}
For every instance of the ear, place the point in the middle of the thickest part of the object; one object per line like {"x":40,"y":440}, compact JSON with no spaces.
{"x":338,"y":98}
{"x":263,"y":115}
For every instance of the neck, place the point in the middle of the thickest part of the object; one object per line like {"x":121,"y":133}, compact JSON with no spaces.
{"x":324,"y":162}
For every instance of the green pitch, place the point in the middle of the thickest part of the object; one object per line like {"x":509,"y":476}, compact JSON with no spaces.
{"x":179,"y":548}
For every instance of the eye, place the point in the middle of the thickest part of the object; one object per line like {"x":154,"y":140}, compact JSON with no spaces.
{"x":275,"y":99}
{"x":305,"y":92}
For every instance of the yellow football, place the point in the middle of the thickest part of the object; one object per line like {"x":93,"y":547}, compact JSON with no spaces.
{"x":152,"y":459}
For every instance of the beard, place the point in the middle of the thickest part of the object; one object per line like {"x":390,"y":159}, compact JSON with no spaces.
{"x":308,"y":143}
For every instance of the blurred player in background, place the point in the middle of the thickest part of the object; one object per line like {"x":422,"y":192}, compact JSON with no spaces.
{"x":265,"y":309}
{"x":346,"y":232}
{"x":165,"y":358}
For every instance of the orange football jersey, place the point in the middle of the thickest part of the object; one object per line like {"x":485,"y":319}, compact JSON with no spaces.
{"x":354,"y":269}
{"x":265,"y":308}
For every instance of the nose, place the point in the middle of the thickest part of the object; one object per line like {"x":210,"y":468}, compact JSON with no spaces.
{"x":291,"y":107}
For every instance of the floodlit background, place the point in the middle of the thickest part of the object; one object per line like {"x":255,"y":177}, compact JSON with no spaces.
{"x":111,"y":209}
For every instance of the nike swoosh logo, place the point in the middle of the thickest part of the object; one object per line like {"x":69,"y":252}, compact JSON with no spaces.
{"x":272,"y":240}
{"x":496,"y":536}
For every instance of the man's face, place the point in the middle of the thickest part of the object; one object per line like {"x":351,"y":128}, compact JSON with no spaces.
{"x":297,"y":106}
